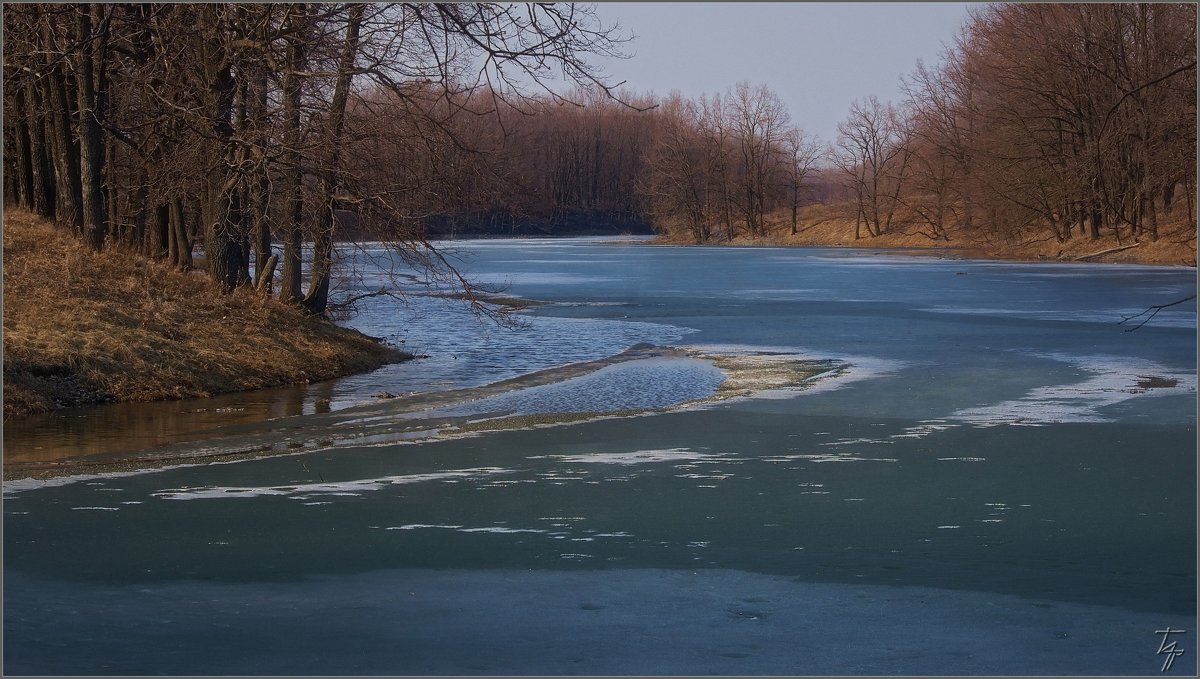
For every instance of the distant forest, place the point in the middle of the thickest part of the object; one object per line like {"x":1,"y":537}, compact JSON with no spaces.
{"x":256,"y":128}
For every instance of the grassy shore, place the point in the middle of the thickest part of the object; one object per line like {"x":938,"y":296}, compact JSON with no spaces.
{"x":825,"y":225}
{"x":83,"y":327}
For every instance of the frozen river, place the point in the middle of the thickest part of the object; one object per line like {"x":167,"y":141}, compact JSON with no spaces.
{"x":683,"y":460}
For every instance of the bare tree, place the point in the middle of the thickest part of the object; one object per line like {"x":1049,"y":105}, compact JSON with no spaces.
{"x":89,"y":64}
{"x":801,"y":154}
{"x":330,"y":182}
{"x":679,"y":183}
{"x":1056,"y":119}
{"x":874,"y":153}
{"x":717,"y":131}
{"x":759,"y":119}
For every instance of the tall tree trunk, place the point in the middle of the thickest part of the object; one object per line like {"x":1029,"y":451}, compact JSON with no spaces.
{"x":261,"y":190}
{"x":91,"y":134}
{"x":159,"y":235}
{"x":317,"y":299}
{"x":293,"y":172}
{"x":1189,"y":186}
{"x":164,"y":213}
{"x":183,"y":240}
{"x":12,"y":190}
{"x":22,"y":151}
{"x":102,"y":16}
{"x":222,"y":247}
{"x":65,"y":152}
{"x":42,"y":171}
{"x":1151,"y":224}
{"x":244,"y":216}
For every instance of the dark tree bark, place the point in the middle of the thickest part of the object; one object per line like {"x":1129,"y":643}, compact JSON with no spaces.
{"x":91,"y":134}
{"x":65,"y":148}
{"x":41,"y":168}
{"x":159,"y":236}
{"x":293,"y":171}
{"x":317,"y":299}
{"x":222,"y":246}
{"x":22,"y":152}
{"x":260,"y":190}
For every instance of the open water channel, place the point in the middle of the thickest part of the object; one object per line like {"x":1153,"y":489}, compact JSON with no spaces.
{"x":682,"y":460}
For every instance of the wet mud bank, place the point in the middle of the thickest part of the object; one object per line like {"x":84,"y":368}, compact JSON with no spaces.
{"x":642,"y":380}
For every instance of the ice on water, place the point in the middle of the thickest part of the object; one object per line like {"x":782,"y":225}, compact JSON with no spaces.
{"x":1109,"y":380}
{"x":630,"y":385}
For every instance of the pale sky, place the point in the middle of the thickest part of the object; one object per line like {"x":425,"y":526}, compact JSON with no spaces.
{"x":818,"y":56}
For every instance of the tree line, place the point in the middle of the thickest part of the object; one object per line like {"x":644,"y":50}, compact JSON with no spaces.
{"x":265,"y":131}
{"x":257,"y":128}
{"x":1054,"y":121}
{"x":1041,"y":121}
{"x":541,"y":165}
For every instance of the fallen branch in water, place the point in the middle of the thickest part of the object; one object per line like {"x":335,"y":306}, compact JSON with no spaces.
{"x":1105,"y":252}
{"x":1153,"y":311}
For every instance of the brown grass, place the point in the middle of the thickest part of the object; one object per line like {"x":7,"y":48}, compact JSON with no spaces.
{"x":832,"y":225}
{"x":83,"y":327}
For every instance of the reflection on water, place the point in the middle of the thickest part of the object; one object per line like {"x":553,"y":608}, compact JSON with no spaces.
{"x":127,"y":427}
{"x":117,"y":429}
{"x":640,"y":380}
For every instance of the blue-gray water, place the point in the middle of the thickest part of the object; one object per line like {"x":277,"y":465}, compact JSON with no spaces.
{"x":995,"y":478}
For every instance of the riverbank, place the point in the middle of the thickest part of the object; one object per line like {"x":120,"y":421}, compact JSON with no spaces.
{"x":825,"y":225}
{"x":83,"y":328}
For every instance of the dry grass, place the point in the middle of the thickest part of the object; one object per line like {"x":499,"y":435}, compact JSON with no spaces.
{"x":832,"y":225}
{"x":82,"y":327}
